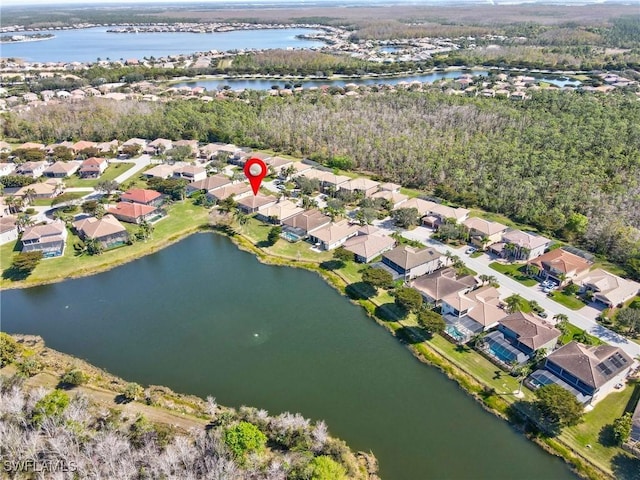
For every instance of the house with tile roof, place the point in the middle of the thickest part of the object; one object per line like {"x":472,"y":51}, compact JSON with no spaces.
{"x":360,"y":185}
{"x":369,"y":243}
{"x":143,"y":196}
{"x":412,"y":262}
{"x":607,"y":288}
{"x":48,"y":239}
{"x":191,"y":173}
{"x":62,"y":169}
{"x":520,"y":245}
{"x":134,"y":212}
{"x":442,"y":283}
{"x":255,"y":203}
{"x":590,"y":372}
{"x":208,"y":184}
{"x":8,"y":229}
{"x":560,"y":266}
{"x":484,"y":232}
{"x":108,"y":231}
{"x":333,"y":235}
{"x":305,"y":222}
{"x":279,"y":212}
{"x":32,"y":169}
{"x":93,"y":167}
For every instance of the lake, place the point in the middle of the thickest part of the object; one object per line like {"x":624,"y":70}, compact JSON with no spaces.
{"x":88,"y":44}
{"x":205,"y":318}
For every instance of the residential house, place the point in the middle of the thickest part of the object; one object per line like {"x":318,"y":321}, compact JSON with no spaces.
{"x":305,"y":222}
{"x":278,"y":213}
{"x":236,"y":191}
{"x":633,"y":444}
{"x":442,"y":283}
{"x":518,"y":337}
{"x":158,"y":146}
{"x":48,"y":239}
{"x":390,"y":187}
{"x":300,"y":168}
{"x":192,"y":144}
{"x":278,"y":164}
{"x":560,"y":266}
{"x":134,"y":212}
{"x":8,"y":230}
{"x":141,"y":142}
{"x":109,"y":148}
{"x":7,"y":169}
{"x":143,"y":197}
{"x":395,"y":198}
{"x":520,"y":245}
{"x":484,"y":232}
{"x":61,"y":169}
{"x":32,"y":169}
{"x":82,"y":145}
{"x":607,"y":288}
{"x":360,"y":185}
{"x":208,"y":184}
{"x":45,"y":190}
{"x":369,"y":243}
{"x":30,"y":146}
{"x":411,"y":262}
{"x":439,"y":213}
{"x":192,"y":173}
{"x":161,"y":171}
{"x":589,"y":372}
{"x":334,"y":235}
{"x":255,"y":203}
{"x":333,"y":182}
{"x":422,"y":206}
{"x":93,"y":167}
{"x":107,"y":231}
{"x":467,"y":313}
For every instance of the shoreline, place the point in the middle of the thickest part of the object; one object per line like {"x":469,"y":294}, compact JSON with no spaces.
{"x":423,"y":351}
{"x":27,"y":40}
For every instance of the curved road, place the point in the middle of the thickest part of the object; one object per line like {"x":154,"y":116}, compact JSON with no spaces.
{"x":575,"y":317}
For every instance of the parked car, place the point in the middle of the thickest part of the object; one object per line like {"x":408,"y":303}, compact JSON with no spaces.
{"x":471,"y":250}
{"x":543,"y":314}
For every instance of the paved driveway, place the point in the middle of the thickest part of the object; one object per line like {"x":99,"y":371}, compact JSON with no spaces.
{"x":585,"y":321}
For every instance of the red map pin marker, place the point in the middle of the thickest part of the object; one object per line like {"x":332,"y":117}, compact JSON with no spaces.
{"x":255,"y":170}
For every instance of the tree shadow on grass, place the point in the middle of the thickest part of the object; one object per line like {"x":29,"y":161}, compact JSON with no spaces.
{"x":264,"y":244}
{"x":389,"y":312}
{"x":360,"y":291}
{"x":332,"y":265}
{"x":606,"y":436}
{"x":626,"y":467}
{"x":412,"y":335}
{"x":15,"y":274}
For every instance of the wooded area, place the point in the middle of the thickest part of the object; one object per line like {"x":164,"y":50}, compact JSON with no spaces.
{"x":546,"y":162}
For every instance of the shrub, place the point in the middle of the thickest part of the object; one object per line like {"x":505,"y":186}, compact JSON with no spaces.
{"x":74,"y":377}
{"x":132,"y":392}
{"x":244,"y":438}
{"x":51,"y":405}
{"x":9,"y":349}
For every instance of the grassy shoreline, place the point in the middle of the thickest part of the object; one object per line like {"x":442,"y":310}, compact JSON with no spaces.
{"x":459,"y":366}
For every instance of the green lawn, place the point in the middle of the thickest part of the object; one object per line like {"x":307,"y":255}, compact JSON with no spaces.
{"x":46,"y":202}
{"x":114,"y":170}
{"x":515,"y":271}
{"x":573,"y":332}
{"x":569,"y":301}
{"x":183,"y":219}
{"x":593,"y":430}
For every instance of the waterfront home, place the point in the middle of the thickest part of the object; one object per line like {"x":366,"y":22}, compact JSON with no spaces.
{"x":305,"y":222}
{"x":107,"y":231}
{"x":484,"y":232}
{"x":396,"y":199}
{"x":191,"y":173}
{"x":442,"y":283}
{"x":369,"y":243}
{"x":32,"y":169}
{"x":49,"y":189}
{"x":607,"y":288}
{"x":61,"y":169}
{"x":161,"y":171}
{"x":8,"y":229}
{"x":589,"y":372}
{"x":134,"y":212}
{"x":208,"y":184}
{"x":235,"y":191}
{"x":255,"y":203}
{"x":360,"y":185}
{"x":7,"y":168}
{"x":93,"y":167}
{"x":143,"y":197}
{"x":333,"y":235}
{"x":518,"y":337}
{"x":48,"y":239}
{"x":520,"y":245}
{"x":472,"y":312}
{"x":278,"y":213}
{"x":412,"y":262}
{"x":560,"y":266}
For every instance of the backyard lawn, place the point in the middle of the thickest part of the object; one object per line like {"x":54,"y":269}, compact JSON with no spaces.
{"x":114,"y":170}
{"x":515,"y":271}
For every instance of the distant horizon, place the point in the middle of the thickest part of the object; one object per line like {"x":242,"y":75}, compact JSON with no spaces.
{"x":302,"y":3}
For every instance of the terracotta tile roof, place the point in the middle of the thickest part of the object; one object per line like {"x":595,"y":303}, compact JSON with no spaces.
{"x":411,"y":257}
{"x":369,"y":245}
{"x":562,"y":261}
{"x":92,"y":227}
{"x":140,"y":195}
{"x":524,"y":239}
{"x":257,"y":201}
{"x":335,"y":232}
{"x":438,"y":285}
{"x":131,"y":210}
{"x":308,"y":220}
{"x":51,"y":230}
{"x":483,"y":226}
{"x":211,"y":183}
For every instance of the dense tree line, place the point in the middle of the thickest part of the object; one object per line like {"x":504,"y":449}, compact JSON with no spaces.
{"x":566,"y":163}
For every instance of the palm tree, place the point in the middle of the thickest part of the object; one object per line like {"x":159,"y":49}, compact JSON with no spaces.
{"x":514,"y":303}
{"x":23,"y":221}
{"x":29,"y":193}
{"x":241,"y":218}
{"x":484,"y":278}
{"x":562,"y":322}
{"x":146,"y":229}
{"x":521,"y":372}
